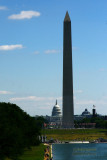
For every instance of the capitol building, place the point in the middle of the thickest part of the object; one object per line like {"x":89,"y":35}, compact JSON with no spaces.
{"x":56,"y":117}
{"x":56,"y":111}
{"x":55,"y":120}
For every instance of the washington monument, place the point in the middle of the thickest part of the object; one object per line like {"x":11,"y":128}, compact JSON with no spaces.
{"x":68,"y":109}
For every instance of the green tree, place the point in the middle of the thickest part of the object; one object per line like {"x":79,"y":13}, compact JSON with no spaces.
{"x":17,"y":131}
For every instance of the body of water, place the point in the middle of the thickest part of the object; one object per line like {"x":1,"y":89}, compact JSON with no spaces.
{"x":89,"y":151}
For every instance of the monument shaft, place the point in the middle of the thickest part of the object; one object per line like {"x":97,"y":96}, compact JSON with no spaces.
{"x":68,"y":111}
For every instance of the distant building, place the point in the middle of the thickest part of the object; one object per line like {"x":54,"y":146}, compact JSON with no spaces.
{"x":86,"y":113}
{"x":56,"y":117}
{"x":55,"y":120}
{"x":56,"y":111}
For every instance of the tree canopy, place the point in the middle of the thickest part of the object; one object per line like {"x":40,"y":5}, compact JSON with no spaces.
{"x":18,"y":131}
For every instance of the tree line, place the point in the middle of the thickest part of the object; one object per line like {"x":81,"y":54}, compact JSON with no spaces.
{"x":99,"y":122}
{"x":18,"y":131}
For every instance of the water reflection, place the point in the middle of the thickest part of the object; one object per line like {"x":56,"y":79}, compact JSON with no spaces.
{"x":79,"y":151}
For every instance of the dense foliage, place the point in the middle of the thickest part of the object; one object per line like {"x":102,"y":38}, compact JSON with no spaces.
{"x":17,"y":131}
{"x":100,"y":123}
{"x":41,"y":121}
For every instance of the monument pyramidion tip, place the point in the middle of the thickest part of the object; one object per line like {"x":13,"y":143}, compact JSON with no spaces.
{"x":67,"y":18}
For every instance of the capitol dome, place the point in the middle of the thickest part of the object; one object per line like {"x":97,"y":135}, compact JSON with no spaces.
{"x":56,"y":111}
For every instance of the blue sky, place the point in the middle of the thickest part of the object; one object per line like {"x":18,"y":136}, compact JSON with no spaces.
{"x":31,"y":53}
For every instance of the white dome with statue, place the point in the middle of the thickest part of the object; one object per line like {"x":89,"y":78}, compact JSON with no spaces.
{"x":56,"y":111}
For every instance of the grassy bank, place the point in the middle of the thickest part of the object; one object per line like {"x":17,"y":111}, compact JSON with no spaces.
{"x":36,"y":153}
{"x":75,"y":134}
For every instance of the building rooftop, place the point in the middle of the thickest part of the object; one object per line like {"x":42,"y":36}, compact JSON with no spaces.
{"x":86,"y":112}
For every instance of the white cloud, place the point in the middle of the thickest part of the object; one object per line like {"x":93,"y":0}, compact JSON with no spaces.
{"x":102,"y":69}
{"x":74,"y":48}
{"x":52,"y":51}
{"x":85,"y":102}
{"x":11,"y":47}
{"x":35,"y":98}
{"x":102,"y":101}
{"x":36,"y":52}
{"x":78,"y":91}
{"x":5,"y":92}
{"x":3,"y":8}
{"x":29,"y":98}
{"x":36,"y":105}
{"x":24,"y":15}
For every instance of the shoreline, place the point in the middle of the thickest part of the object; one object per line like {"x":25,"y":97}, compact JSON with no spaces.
{"x":77,"y":142}
{"x":71,"y":142}
{"x":51,"y":151}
